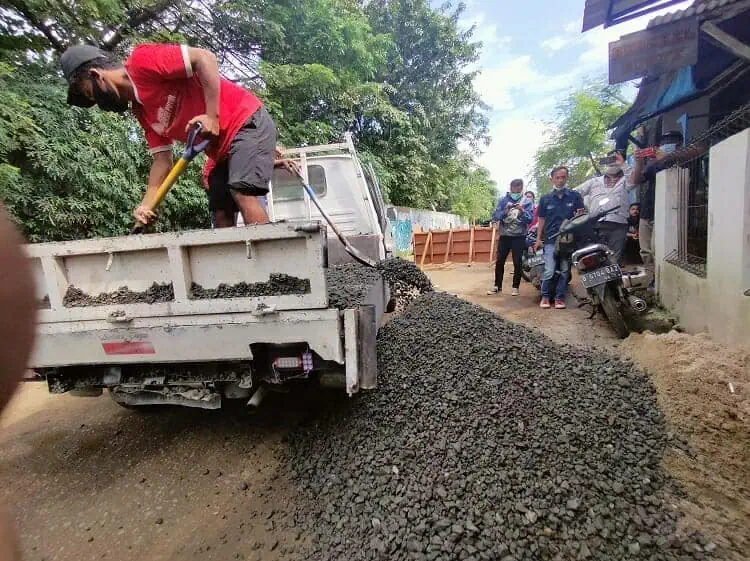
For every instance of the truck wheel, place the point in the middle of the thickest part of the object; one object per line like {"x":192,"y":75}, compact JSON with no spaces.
{"x":611,"y":308}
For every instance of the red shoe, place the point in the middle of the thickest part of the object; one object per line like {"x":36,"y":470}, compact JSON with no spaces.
{"x":544,"y":303}
{"x":560,"y":304}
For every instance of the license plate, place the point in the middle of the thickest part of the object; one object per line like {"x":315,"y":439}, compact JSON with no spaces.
{"x":535,"y":261}
{"x":601,"y":276}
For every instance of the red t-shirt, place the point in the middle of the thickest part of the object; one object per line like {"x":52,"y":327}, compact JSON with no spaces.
{"x":168,"y":95}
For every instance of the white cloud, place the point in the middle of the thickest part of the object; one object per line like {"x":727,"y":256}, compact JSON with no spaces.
{"x":556,"y":43}
{"x":512,"y":150}
{"x":518,"y":75}
{"x":496,"y":84}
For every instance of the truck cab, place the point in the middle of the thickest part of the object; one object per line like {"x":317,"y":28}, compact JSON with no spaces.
{"x":347,"y":190}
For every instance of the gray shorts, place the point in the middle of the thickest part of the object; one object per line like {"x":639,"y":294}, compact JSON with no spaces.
{"x":248,"y":167}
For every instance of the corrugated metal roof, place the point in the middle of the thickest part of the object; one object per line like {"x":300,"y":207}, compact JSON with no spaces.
{"x":701,"y":8}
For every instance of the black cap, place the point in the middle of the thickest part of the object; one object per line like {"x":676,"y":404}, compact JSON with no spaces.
{"x":71,"y":60}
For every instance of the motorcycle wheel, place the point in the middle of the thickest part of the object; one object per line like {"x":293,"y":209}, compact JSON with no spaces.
{"x":612,"y":311}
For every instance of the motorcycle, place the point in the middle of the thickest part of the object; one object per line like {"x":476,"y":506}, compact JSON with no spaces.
{"x":532,"y":262}
{"x":600,"y":276}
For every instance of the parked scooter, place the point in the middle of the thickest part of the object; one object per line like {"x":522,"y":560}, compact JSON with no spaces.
{"x":532,"y":262}
{"x":600,"y":276}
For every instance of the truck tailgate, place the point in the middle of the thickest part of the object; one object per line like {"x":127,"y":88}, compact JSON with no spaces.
{"x":188,"y":268}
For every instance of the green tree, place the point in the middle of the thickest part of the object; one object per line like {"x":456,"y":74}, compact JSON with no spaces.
{"x":392,"y":72}
{"x":578,"y":133}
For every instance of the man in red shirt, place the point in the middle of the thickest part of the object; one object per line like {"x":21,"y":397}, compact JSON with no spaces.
{"x":169,"y":88}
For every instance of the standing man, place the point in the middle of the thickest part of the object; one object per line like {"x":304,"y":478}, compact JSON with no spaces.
{"x":513,"y":214}
{"x":605,"y":192}
{"x":170,"y":88}
{"x":561,"y":204}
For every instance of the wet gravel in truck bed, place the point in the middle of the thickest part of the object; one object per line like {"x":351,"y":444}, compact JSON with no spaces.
{"x":77,"y":298}
{"x":278,"y":284}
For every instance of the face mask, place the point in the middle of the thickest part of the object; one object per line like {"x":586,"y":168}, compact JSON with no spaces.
{"x":108,"y":101}
{"x":668,"y":148}
{"x":515,"y":196}
{"x":613,"y":169}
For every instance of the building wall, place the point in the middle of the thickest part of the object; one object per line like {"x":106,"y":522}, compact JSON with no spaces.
{"x":698,"y":121}
{"x":715,"y":304}
{"x":404,"y":220}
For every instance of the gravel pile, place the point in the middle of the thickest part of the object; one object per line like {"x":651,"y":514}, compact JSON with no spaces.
{"x":77,"y":298}
{"x":487,"y":441}
{"x":349,"y":284}
{"x":277,"y":284}
{"x":407,"y":282}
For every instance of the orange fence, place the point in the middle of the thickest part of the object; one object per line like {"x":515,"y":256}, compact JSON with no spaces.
{"x":477,"y":244}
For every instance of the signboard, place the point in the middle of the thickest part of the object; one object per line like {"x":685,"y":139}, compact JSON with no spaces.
{"x":654,"y":51}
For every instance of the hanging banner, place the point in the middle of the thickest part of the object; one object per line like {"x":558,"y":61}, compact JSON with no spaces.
{"x":654,"y":51}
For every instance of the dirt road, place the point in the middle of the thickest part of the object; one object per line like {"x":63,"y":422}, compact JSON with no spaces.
{"x":86,"y":479}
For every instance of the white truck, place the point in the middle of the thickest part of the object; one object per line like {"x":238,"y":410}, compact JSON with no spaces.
{"x":194,"y":318}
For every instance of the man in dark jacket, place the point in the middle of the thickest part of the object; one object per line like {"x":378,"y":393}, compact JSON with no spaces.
{"x":513,"y":215}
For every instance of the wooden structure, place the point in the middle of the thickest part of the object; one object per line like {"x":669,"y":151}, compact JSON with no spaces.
{"x":476,"y":244}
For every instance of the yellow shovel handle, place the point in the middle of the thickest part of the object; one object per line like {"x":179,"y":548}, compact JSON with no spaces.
{"x":167,"y":184}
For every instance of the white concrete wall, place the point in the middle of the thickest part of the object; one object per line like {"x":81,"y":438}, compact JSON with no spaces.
{"x":715,"y":304}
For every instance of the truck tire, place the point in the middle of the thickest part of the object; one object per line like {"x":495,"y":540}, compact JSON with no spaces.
{"x":611,"y":308}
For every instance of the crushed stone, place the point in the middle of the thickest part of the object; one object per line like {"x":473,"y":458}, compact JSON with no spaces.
{"x":277,"y":284}
{"x":75,"y":297}
{"x":487,"y":441}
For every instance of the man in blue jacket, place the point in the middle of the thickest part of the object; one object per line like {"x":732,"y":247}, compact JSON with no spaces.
{"x":513,"y":216}
{"x":554,"y":208}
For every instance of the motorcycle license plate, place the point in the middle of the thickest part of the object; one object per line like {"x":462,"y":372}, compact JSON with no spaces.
{"x":535,"y":260}
{"x":601,"y":276}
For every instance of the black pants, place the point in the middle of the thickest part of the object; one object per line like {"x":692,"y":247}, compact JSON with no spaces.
{"x":517,"y":245}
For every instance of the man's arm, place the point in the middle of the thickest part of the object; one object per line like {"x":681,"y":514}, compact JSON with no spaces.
{"x":539,"y":233}
{"x":585,"y":188}
{"x":204,"y":65}
{"x":159,"y":170}
{"x":499,"y":213}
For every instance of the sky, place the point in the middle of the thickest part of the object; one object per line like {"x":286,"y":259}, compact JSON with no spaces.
{"x":533,"y":54}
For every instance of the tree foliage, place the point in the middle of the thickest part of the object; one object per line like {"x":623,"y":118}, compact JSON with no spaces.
{"x":578,"y":134}
{"x":393,"y":73}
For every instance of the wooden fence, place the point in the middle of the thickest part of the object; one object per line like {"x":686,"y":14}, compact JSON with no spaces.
{"x":476,"y":244}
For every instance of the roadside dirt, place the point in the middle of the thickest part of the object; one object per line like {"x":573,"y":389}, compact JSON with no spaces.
{"x":692,"y":376}
{"x":86,"y":479}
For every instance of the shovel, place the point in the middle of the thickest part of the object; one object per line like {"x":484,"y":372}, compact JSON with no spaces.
{"x":191,"y":151}
{"x":351,"y":250}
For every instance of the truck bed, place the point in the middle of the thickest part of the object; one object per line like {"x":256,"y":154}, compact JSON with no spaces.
{"x":199,"y":297}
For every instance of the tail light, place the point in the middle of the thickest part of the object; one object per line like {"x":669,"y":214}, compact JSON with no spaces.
{"x":589,"y":261}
